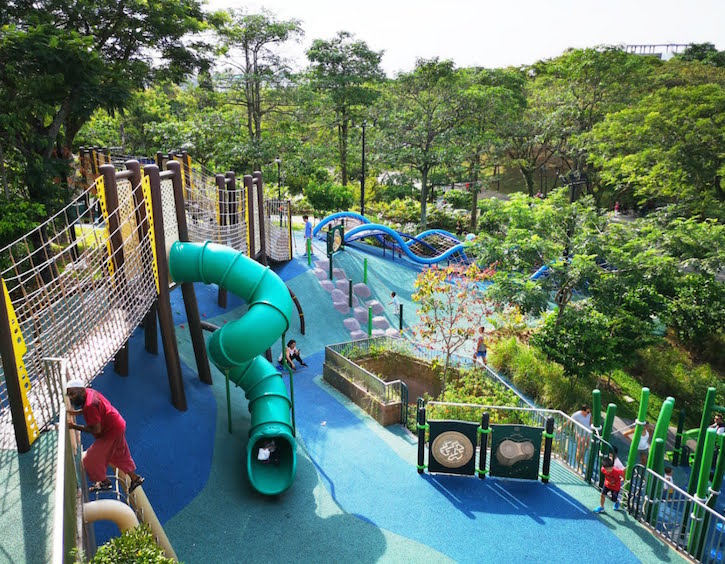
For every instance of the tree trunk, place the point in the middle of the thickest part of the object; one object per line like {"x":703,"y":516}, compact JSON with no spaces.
{"x":423,"y":197}
{"x":528,"y":175}
{"x":344,"y":130}
{"x":474,"y":198}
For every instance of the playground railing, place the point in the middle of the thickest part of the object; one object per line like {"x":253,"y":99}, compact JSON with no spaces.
{"x":387,"y":392}
{"x":571,"y":439}
{"x":683,"y":521}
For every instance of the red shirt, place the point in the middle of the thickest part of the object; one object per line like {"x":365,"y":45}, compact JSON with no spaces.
{"x":613,"y":479}
{"x":98,"y":409}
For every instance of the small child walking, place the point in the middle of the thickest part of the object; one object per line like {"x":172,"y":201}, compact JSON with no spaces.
{"x":395,"y":302}
{"x":612,"y":484}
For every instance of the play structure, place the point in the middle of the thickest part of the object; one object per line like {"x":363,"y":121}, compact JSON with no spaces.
{"x":77,"y":287}
{"x":237,"y":347}
{"x":426,"y":248}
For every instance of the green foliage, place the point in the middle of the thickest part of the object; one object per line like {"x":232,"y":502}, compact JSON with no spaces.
{"x":459,"y":199}
{"x":534,"y":375}
{"x":135,"y":546}
{"x":670,"y":147}
{"x":697,"y":310}
{"x":668,"y":371}
{"x":327,"y":197}
{"x":18,"y":217}
{"x":579,"y":340}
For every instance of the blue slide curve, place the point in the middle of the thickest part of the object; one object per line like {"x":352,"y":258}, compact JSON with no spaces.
{"x":403,"y":242}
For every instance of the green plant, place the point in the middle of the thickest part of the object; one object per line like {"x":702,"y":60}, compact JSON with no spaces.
{"x":135,"y":546}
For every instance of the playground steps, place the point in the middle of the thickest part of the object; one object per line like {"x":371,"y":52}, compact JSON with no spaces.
{"x":377,"y":307}
{"x":361,"y":290}
{"x":351,"y":324}
{"x":321,"y":274}
{"x":357,"y":335}
{"x":379,"y":322}
{"x":327,"y":285}
{"x":323,"y":264}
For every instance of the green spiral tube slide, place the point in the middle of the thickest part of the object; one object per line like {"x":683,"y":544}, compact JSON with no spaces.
{"x":236,"y":350}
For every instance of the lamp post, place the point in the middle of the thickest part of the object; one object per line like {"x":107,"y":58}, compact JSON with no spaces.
{"x":279,"y":188}
{"x":362,"y":174}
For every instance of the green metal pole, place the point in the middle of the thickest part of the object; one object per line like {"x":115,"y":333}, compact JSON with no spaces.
{"x":309,"y":252}
{"x":370,"y":321}
{"x":637,"y":435}
{"x":703,"y":482}
{"x":660,"y":432}
{"x":653,"y":486}
{"x":365,"y":271}
{"x":607,"y":433}
{"x":596,"y":429}
{"x":716,"y":485}
{"x":704,"y":422}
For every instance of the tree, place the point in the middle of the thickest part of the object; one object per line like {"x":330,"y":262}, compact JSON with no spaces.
{"x":421,"y":110}
{"x":256,"y":75}
{"x":451,"y":308}
{"x":668,"y":147}
{"x":489,"y":97}
{"x":326,"y":197}
{"x":344,"y":70}
{"x":703,"y":52}
{"x":62,"y":61}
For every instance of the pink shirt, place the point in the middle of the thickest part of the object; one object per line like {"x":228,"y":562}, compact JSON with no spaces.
{"x":98,"y":409}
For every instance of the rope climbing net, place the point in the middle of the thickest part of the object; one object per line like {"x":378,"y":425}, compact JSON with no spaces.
{"x":73,"y":298}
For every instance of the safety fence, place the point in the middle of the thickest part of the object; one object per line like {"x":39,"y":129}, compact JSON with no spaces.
{"x":341,"y":355}
{"x":278,"y":224}
{"x":685,"y":522}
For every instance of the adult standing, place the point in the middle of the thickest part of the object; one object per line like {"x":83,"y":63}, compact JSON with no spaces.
{"x":107,"y":426}
{"x":584,"y":418}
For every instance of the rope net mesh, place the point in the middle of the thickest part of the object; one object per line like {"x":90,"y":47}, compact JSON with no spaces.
{"x":277,"y":225}
{"x":72,"y":301}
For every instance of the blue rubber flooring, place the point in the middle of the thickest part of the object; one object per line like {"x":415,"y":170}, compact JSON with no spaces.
{"x":357,"y":496}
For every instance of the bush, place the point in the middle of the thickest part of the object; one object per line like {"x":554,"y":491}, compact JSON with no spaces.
{"x":327,"y":197}
{"x":459,"y":199}
{"x":136,"y":546}
{"x":535,"y":376}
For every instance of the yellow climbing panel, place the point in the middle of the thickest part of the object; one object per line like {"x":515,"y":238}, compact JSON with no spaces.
{"x":146,"y":188}
{"x":101,"y":193}
{"x":19,"y":348}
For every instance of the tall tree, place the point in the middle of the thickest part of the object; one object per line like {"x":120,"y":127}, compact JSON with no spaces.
{"x":421,"y":111}
{"x":76,"y":57}
{"x":344,"y":70}
{"x":256,"y":75}
{"x":489,"y":97}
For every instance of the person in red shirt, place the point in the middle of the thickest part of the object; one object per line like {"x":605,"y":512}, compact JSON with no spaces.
{"x":612,"y":484}
{"x":105,"y":423}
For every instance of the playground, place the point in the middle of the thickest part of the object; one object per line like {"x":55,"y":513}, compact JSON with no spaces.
{"x":201,"y":397}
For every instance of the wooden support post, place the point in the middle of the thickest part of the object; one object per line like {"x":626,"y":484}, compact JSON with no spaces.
{"x":260,"y":215}
{"x":166,"y":321}
{"x":108,"y":171}
{"x":187,"y":288}
{"x":249,"y":185}
{"x":223,"y":216}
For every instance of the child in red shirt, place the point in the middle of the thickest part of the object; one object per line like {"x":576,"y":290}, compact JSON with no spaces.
{"x":612,"y":484}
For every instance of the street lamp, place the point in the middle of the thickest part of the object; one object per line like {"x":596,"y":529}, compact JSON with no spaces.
{"x":279,"y":188}
{"x":362,"y":175}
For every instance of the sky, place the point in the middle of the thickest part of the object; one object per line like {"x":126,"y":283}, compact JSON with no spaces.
{"x":494,"y":34}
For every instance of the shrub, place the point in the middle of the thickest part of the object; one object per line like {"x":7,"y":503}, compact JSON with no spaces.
{"x":459,"y":199}
{"x":135,"y":546}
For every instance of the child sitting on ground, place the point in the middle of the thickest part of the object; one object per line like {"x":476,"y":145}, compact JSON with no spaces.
{"x":612,"y":484}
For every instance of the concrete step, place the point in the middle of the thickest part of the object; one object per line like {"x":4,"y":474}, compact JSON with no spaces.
{"x":339,"y":274}
{"x":378,"y":332}
{"x":342,"y":307}
{"x":361,"y":314}
{"x":343,"y":285}
{"x":321,"y":274}
{"x":361,"y":289}
{"x":379,"y":322}
{"x":323,"y":264}
{"x":357,"y":335}
{"x":351,"y":324}
{"x":378,"y":308}
{"x":327,"y":285}
{"x":392,"y":332}
{"x":338,"y":296}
